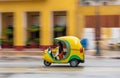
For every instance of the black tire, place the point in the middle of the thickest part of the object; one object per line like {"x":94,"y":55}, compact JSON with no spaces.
{"x":74,"y":63}
{"x":46,"y":63}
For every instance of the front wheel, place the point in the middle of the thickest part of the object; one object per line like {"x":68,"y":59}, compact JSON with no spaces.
{"x":46,"y":63}
{"x":74,"y":63}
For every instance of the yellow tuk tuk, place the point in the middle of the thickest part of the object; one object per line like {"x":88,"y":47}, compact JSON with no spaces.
{"x":72,"y":52}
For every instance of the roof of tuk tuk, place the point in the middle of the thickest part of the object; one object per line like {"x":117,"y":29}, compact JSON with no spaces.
{"x":74,"y":42}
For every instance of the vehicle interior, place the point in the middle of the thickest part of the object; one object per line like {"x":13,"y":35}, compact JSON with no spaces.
{"x":62,"y":55}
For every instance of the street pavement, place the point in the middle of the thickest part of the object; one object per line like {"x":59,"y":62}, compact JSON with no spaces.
{"x":19,"y":64}
{"x":27,"y":67}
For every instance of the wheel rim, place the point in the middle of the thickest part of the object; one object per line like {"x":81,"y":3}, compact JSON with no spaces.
{"x":46,"y":63}
{"x":74,"y":63}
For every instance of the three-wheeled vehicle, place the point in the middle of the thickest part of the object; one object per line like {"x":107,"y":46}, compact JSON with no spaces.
{"x":72,"y":53}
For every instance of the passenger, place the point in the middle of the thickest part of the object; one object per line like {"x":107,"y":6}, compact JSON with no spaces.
{"x":59,"y":53}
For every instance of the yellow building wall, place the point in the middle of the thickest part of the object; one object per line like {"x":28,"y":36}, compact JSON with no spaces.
{"x":75,"y":16}
{"x":45,"y":7}
{"x":91,"y":10}
{"x":103,"y":10}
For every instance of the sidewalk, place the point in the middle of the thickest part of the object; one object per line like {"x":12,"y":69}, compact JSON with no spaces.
{"x":104,"y":54}
{"x":26,"y":52}
{"x":39,"y":53}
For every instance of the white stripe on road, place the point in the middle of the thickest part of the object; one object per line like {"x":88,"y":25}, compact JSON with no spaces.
{"x":48,"y":70}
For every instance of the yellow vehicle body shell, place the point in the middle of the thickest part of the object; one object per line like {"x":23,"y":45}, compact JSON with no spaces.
{"x":73,"y":46}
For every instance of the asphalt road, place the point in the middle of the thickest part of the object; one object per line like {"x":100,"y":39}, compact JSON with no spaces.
{"x":15,"y":67}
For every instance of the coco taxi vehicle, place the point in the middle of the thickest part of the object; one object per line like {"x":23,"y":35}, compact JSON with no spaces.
{"x":72,"y":52}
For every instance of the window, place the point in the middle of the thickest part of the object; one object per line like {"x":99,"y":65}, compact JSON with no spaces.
{"x":99,"y":2}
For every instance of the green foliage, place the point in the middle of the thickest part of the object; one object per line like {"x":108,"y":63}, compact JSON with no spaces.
{"x":36,"y":40}
{"x":33,"y":28}
{"x":9,"y":41}
{"x":8,"y":31}
{"x":59,"y":28}
{"x":28,"y":41}
{"x":1,"y":41}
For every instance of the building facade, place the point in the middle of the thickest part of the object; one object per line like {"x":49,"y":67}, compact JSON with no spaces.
{"x":20,"y":20}
{"x":104,"y":15}
{"x":34,"y":23}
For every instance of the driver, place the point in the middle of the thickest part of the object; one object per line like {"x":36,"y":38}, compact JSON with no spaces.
{"x":59,"y":54}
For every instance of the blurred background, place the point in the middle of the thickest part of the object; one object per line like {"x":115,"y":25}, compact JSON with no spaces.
{"x":27,"y":27}
{"x":33,"y":24}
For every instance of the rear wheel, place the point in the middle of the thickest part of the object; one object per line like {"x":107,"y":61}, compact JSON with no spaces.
{"x":47,"y":63}
{"x":74,"y":63}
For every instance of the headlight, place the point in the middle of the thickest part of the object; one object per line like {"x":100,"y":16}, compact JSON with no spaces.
{"x":46,"y":51}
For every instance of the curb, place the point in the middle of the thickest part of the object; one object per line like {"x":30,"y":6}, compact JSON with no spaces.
{"x":20,"y":51}
{"x":106,"y":57}
{"x":21,"y":56}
